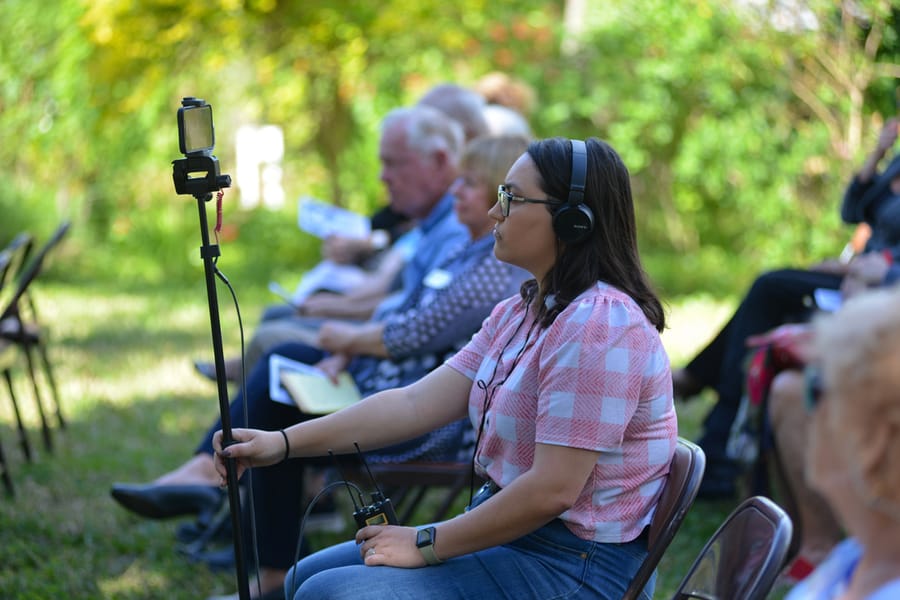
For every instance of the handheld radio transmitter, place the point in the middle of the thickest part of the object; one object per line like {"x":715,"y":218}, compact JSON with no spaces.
{"x":379,"y":512}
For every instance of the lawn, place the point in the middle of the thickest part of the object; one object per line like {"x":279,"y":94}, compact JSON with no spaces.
{"x":135,"y":408}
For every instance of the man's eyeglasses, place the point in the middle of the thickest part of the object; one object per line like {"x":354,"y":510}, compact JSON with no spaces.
{"x":812,"y":377}
{"x":504,"y":197}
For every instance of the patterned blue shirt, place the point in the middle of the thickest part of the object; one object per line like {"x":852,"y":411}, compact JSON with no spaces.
{"x":440,"y":233}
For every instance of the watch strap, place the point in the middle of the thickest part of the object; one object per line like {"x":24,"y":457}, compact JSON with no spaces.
{"x":427,"y":550}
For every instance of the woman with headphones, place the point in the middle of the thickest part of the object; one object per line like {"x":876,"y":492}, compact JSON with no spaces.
{"x":569,"y":389}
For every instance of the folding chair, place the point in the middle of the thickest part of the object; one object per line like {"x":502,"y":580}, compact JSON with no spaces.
{"x":743,"y":557}
{"x":407,"y":483}
{"x":4,"y":473}
{"x":19,"y":326}
{"x":11,"y":260}
{"x":678,"y":494}
{"x":4,"y":466}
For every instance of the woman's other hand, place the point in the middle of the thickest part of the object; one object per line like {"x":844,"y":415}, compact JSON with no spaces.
{"x":389,"y":545}
{"x":333,"y":365}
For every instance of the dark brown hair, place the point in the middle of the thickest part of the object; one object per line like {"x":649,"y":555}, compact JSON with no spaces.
{"x":610,"y":252}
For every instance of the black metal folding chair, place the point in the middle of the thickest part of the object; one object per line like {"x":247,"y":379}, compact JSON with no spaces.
{"x":5,"y":351}
{"x":408,"y":483}
{"x":19,"y":327}
{"x":743,"y":557}
{"x":11,"y":260}
{"x":4,"y":472}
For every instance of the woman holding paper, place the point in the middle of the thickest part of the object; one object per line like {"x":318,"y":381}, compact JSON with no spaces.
{"x":440,"y":317}
{"x":569,"y":389}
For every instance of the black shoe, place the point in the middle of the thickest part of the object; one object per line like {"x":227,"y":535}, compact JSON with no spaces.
{"x":206,"y":528}
{"x":167,"y":501}
{"x":215,"y":560}
{"x":187,"y":533}
{"x":207,"y":369}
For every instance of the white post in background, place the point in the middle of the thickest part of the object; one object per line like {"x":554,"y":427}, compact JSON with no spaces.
{"x":259,"y":151}
{"x":574,"y":23}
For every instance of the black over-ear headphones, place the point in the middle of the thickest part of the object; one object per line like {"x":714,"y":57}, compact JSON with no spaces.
{"x":574,"y":221}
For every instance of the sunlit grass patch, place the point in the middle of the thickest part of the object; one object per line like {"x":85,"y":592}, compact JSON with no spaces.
{"x":135,"y":408}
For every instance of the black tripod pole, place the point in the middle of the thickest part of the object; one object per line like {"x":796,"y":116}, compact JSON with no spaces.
{"x":209,"y":253}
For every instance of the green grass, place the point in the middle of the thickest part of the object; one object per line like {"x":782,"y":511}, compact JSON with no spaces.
{"x":135,"y":408}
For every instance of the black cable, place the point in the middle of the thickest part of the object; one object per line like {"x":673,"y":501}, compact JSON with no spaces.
{"x":306,"y":514}
{"x":250,"y":496}
{"x":250,"y":500}
{"x":489,"y":392}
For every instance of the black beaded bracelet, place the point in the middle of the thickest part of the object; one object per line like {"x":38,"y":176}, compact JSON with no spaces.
{"x":287,"y":446}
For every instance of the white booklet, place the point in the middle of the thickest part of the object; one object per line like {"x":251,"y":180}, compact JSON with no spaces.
{"x":298,"y":384}
{"x":322,"y":219}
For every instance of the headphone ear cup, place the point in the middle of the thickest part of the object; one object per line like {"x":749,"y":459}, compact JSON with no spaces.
{"x":573,"y":224}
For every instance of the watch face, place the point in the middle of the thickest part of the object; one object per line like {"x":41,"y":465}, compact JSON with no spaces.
{"x":423,"y":537}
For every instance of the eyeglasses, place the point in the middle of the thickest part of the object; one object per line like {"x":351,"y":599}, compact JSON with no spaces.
{"x":812,"y":378}
{"x":504,"y":197}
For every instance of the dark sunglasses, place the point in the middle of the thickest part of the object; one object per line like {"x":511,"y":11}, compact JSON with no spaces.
{"x":504,"y":197}
{"x":812,"y":378}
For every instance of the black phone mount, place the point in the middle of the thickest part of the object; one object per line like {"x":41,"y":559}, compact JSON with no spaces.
{"x":198,"y":175}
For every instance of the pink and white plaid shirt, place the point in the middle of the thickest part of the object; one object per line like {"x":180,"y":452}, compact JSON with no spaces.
{"x":598,"y":379}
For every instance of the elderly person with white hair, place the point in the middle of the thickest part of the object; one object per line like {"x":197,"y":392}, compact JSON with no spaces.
{"x":853,"y":455}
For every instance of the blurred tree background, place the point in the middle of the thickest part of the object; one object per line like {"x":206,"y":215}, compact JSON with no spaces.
{"x":741,"y":121}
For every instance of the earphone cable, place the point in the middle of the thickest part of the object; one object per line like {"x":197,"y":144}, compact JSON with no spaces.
{"x":489,"y":390}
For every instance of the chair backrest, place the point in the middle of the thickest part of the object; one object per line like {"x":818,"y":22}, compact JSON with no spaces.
{"x":743,"y":557}
{"x":5,"y":260}
{"x":407,"y":483}
{"x":12,"y":261}
{"x":677,"y":496}
{"x":12,"y":257}
{"x":5,"y":267}
{"x":30,"y":271}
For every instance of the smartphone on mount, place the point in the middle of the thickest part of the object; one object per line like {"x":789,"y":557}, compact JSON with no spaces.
{"x":196,"y":135}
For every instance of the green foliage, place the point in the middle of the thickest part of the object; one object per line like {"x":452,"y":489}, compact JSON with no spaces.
{"x":726,"y":161}
{"x":740,"y":134}
{"x":740,"y":128}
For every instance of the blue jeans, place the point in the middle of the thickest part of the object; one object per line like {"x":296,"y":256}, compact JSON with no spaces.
{"x":551,"y":562}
